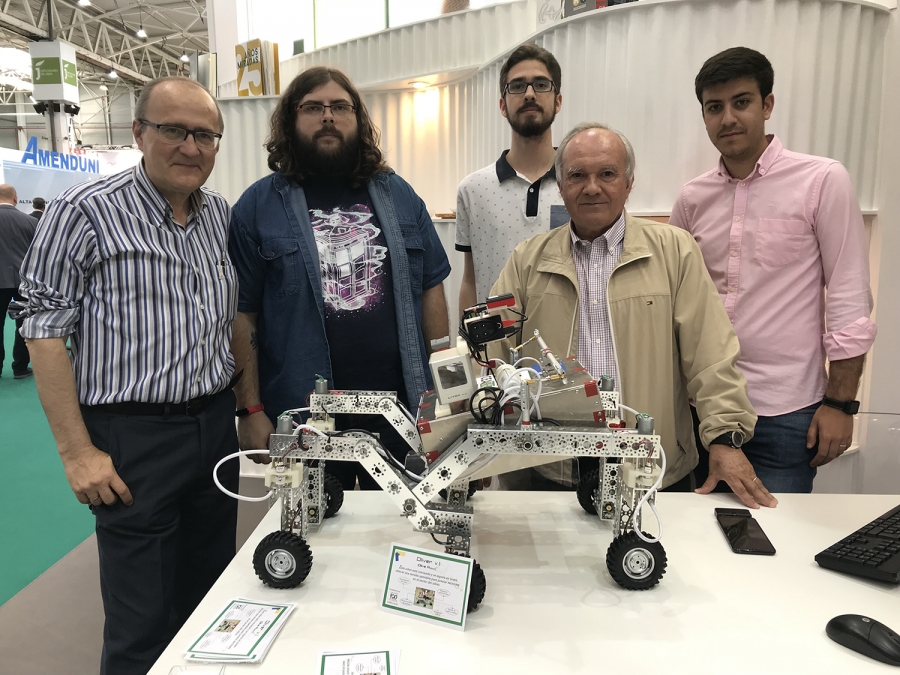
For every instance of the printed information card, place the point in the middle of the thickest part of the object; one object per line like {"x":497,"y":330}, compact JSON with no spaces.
{"x":427,"y":585}
{"x":382,"y":662}
{"x":242,"y":632}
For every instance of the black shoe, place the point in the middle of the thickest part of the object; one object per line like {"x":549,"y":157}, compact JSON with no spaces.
{"x":21,"y":376}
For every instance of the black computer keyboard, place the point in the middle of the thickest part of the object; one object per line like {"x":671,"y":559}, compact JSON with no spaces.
{"x":873,"y":551}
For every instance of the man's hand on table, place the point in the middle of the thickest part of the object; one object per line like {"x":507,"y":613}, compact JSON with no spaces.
{"x":732,"y":466}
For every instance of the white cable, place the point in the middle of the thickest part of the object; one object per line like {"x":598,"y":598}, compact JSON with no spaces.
{"x":232,"y":494}
{"x":295,"y":410}
{"x":526,"y":358}
{"x":631,"y":410}
{"x":640,"y":505}
{"x":407,"y":413}
{"x":306,"y":427}
{"x":512,"y":390}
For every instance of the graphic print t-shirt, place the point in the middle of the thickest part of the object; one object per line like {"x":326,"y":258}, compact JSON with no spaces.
{"x":357,"y":288}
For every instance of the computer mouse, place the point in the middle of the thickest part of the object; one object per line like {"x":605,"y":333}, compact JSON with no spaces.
{"x":866,"y":636}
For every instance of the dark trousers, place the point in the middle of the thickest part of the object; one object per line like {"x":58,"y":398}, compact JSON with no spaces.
{"x":777,"y":452}
{"x":20,"y":354}
{"x":160,"y":556}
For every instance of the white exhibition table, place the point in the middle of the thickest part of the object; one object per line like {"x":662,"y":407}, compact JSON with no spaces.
{"x":551,"y":606}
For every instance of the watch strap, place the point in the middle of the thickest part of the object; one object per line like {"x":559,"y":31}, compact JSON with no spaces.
{"x":728,"y":439}
{"x":243,"y":412}
{"x":846,"y":407}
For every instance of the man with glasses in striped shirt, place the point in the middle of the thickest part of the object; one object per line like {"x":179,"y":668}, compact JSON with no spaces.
{"x":133,"y":269}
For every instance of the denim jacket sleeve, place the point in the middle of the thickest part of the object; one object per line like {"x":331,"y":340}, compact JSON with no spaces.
{"x":436,"y":264}
{"x":242,"y":249}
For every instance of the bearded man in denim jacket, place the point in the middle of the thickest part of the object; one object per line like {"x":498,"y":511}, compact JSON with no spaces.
{"x":341,"y":271}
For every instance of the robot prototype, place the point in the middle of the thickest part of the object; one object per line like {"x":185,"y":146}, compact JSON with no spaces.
{"x":551,"y":407}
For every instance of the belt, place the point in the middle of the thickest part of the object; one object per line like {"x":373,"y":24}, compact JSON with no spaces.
{"x":192,"y":407}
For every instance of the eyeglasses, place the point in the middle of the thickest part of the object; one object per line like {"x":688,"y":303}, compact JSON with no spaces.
{"x":540,"y":86}
{"x":316,"y":109}
{"x":208,"y":140}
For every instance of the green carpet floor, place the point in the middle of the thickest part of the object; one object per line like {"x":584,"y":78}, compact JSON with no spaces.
{"x":40,"y":519}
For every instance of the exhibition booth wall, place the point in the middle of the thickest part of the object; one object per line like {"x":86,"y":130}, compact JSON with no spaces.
{"x":632,"y":66}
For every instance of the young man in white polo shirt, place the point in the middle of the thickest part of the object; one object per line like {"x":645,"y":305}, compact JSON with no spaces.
{"x":516,"y":197}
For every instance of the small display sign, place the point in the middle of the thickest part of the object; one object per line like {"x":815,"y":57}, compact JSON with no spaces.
{"x":430,"y":586}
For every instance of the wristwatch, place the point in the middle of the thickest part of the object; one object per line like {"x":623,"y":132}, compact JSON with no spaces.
{"x":846,"y":407}
{"x":732,"y":439}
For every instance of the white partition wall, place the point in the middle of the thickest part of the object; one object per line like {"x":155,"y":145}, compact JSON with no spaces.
{"x":634,"y":67}
{"x":242,"y":158}
{"x":453,"y":42}
{"x":631,"y":66}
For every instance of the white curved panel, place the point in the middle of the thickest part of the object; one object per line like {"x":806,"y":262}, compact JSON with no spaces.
{"x":643,"y":57}
{"x":228,"y":90}
{"x":452,"y":42}
{"x":241,"y":159}
{"x":632,"y":67}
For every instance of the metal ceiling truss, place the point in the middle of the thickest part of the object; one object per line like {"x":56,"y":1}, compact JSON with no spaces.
{"x":106,"y":38}
{"x":8,"y":97}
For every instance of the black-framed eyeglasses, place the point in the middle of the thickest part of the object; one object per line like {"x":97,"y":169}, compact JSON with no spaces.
{"x":169,"y":133}
{"x":317,"y":109}
{"x":540,"y":86}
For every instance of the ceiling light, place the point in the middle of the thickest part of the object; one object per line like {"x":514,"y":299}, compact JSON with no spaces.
{"x":103,"y":87}
{"x":112,"y":74}
{"x":185,"y":57}
{"x":141,"y":33}
{"x":84,"y":3}
{"x":418,"y":84}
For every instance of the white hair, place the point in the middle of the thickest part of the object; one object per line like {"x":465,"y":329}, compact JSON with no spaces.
{"x":587,"y":126}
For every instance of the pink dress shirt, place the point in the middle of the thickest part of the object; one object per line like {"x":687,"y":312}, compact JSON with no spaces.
{"x":772,"y":242}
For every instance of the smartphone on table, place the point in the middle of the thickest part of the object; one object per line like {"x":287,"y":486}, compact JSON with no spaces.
{"x":743,"y":532}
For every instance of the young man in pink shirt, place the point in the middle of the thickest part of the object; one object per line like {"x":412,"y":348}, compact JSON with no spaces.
{"x":777,"y":229}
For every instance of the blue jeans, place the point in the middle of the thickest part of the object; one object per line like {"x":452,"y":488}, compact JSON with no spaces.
{"x":777,"y":452}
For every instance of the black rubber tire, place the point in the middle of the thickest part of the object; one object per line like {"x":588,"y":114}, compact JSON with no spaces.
{"x":634,"y":564}
{"x":334,"y":495}
{"x":282,"y":560}
{"x":477,"y":587}
{"x":587,"y":486}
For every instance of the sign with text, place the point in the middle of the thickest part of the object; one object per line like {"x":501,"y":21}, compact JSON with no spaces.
{"x":250,"y":68}
{"x":426,"y":585}
{"x":53,"y":72}
{"x":258,"y":71}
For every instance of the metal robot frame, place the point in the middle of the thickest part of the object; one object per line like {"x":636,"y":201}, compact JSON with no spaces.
{"x":447,"y":449}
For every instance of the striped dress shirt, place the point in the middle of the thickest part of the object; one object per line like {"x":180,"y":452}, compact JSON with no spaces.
{"x":594,"y":263}
{"x":149,"y":304}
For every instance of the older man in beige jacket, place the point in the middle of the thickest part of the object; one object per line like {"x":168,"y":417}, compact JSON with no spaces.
{"x":632,"y":298}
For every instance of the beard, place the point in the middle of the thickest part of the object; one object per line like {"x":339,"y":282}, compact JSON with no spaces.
{"x":531,"y":127}
{"x":338,"y":161}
